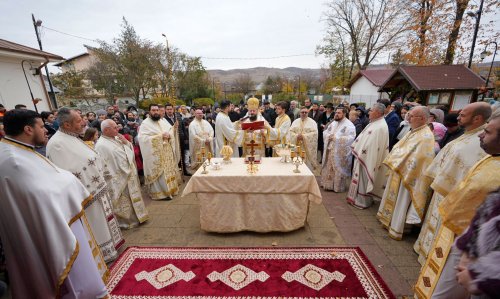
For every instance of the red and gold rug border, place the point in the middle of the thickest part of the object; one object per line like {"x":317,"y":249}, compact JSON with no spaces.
{"x":371,"y":274}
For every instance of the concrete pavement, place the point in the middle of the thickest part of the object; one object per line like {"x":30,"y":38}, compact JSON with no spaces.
{"x":333,"y":223}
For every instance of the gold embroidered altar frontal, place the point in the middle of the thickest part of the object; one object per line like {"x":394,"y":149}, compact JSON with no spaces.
{"x":273,"y":199}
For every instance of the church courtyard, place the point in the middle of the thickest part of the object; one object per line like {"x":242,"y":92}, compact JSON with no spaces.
{"x":176,"y":223}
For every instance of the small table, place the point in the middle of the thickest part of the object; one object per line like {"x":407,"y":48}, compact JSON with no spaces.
{"x":273,"y":199}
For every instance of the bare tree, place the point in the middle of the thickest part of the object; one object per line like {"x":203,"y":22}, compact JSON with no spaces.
{"x":371,"y":26}
{"x":243,"y":83}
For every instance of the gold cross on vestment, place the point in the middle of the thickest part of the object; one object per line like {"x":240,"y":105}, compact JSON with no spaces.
{"x":252,"y":145}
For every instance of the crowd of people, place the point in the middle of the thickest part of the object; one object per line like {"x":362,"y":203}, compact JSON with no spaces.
{"x":427,"y":168}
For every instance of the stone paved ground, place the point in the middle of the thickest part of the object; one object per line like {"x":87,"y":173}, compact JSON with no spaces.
{"x":333,"y":223}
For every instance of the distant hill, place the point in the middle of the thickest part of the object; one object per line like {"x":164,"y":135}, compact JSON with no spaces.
{"x":260,"y":74}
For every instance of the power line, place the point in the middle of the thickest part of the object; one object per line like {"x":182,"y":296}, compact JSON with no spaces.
{"x":72,"y":35}
{"x":203,"y":57}
{"x":255,"y":58}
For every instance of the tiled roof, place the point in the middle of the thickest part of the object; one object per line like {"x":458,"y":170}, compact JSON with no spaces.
{"x":437,"y":77}
{"x":376,"y":76}
{"x":13,"y":47}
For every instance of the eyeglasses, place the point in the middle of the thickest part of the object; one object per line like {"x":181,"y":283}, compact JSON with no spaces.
{"x":303,"y":112}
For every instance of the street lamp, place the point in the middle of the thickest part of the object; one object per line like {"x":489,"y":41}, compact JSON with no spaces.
{"x":483,"y":56}
{"x":477,"y":16}
{"x":170,"y":86}
{"x":52,"y":97}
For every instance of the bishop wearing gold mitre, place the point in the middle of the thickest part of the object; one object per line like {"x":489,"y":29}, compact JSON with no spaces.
{"x":256,"y":133}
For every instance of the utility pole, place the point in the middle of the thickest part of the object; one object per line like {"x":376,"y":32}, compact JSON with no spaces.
{"x":476,"y":15}
{"x":52,"y":96}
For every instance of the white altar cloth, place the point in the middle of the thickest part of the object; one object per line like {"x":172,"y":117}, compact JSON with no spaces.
{"x":273,"y":199}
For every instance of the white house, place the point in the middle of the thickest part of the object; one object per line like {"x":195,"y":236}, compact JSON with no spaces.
{"x":365,"y":84}
{"x":20,"y":72}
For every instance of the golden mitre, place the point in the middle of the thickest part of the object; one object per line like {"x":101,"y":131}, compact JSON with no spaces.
{"x":253,"y":103}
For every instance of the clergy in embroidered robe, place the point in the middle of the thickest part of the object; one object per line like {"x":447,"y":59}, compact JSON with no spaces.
{"x":201,"y":135}
{"x":304,"y":133}
{"x":48,"y":244}
{"x":437,"y":277}
{"x":337,"y":154}
{"x":407,"y":192}
{"x":258,"y":136}
{"x":369,"y":150}
{"x":126,"y":196}
{"x":158,"y":148}
{"x":449,"y":168}
{"x":279,"y":134}
{"x":225,"y":132}
{"x":69,"y":152}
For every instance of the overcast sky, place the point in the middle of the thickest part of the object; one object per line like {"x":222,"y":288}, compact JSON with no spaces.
{"x":207,"y":28}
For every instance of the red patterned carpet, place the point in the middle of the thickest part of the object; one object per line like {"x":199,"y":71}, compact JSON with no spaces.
{"x":246,"y":273}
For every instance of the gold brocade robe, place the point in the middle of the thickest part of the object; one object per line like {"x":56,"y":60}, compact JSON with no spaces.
{"x":159,"y":158}
{"x":457,"y":211}
{"x":408,"y":160}
{"x":279,"y":134}
{"x":248,"y":136}
{"x":447,"y":170}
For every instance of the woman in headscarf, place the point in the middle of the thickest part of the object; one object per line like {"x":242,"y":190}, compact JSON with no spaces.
{"x":439,"y":131}
{"x":437,"y":115}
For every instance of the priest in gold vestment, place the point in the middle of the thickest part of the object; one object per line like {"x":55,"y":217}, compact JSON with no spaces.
{"x":407,"y":191}
{"x":159,"y":154}
{"x":437,"y":277}
{"x":126,"y":196}
{"x":304,"y":133}
{"x":449,"y":168}
{"x":258,"y":136}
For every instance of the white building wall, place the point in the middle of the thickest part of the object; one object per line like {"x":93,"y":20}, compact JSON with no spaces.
{"x":364,"y":91}
{"x":13,"y":87}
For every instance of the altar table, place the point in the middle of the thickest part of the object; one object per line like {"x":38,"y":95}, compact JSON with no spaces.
{"x":273,"y":199}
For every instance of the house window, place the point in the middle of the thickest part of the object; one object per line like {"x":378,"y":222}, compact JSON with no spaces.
{"x":433,"y":98}
{"x":461,"y":99}
{"x":444,"y":98}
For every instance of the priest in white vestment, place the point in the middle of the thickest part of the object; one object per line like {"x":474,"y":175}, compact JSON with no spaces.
{"x":337,"y":154}
{"x":69,"y":152}
{"x":304,"y":133}
{"x":407,"y":191}
{"x":201,"y":135}
{"x":279,"y":134}
{"x":449,"y":168}
{"x":369,"y":150}
{"x":225,"y":132}
{"x":48,"y":243}
{"x":126,"y":196}
{"x":258,"y":136}
{"x":158,"y":147}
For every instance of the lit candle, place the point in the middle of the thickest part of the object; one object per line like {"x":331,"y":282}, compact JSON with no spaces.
{"x":293,"y":154}
{"x":303,"y":154}
{"x":209,"y":155}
